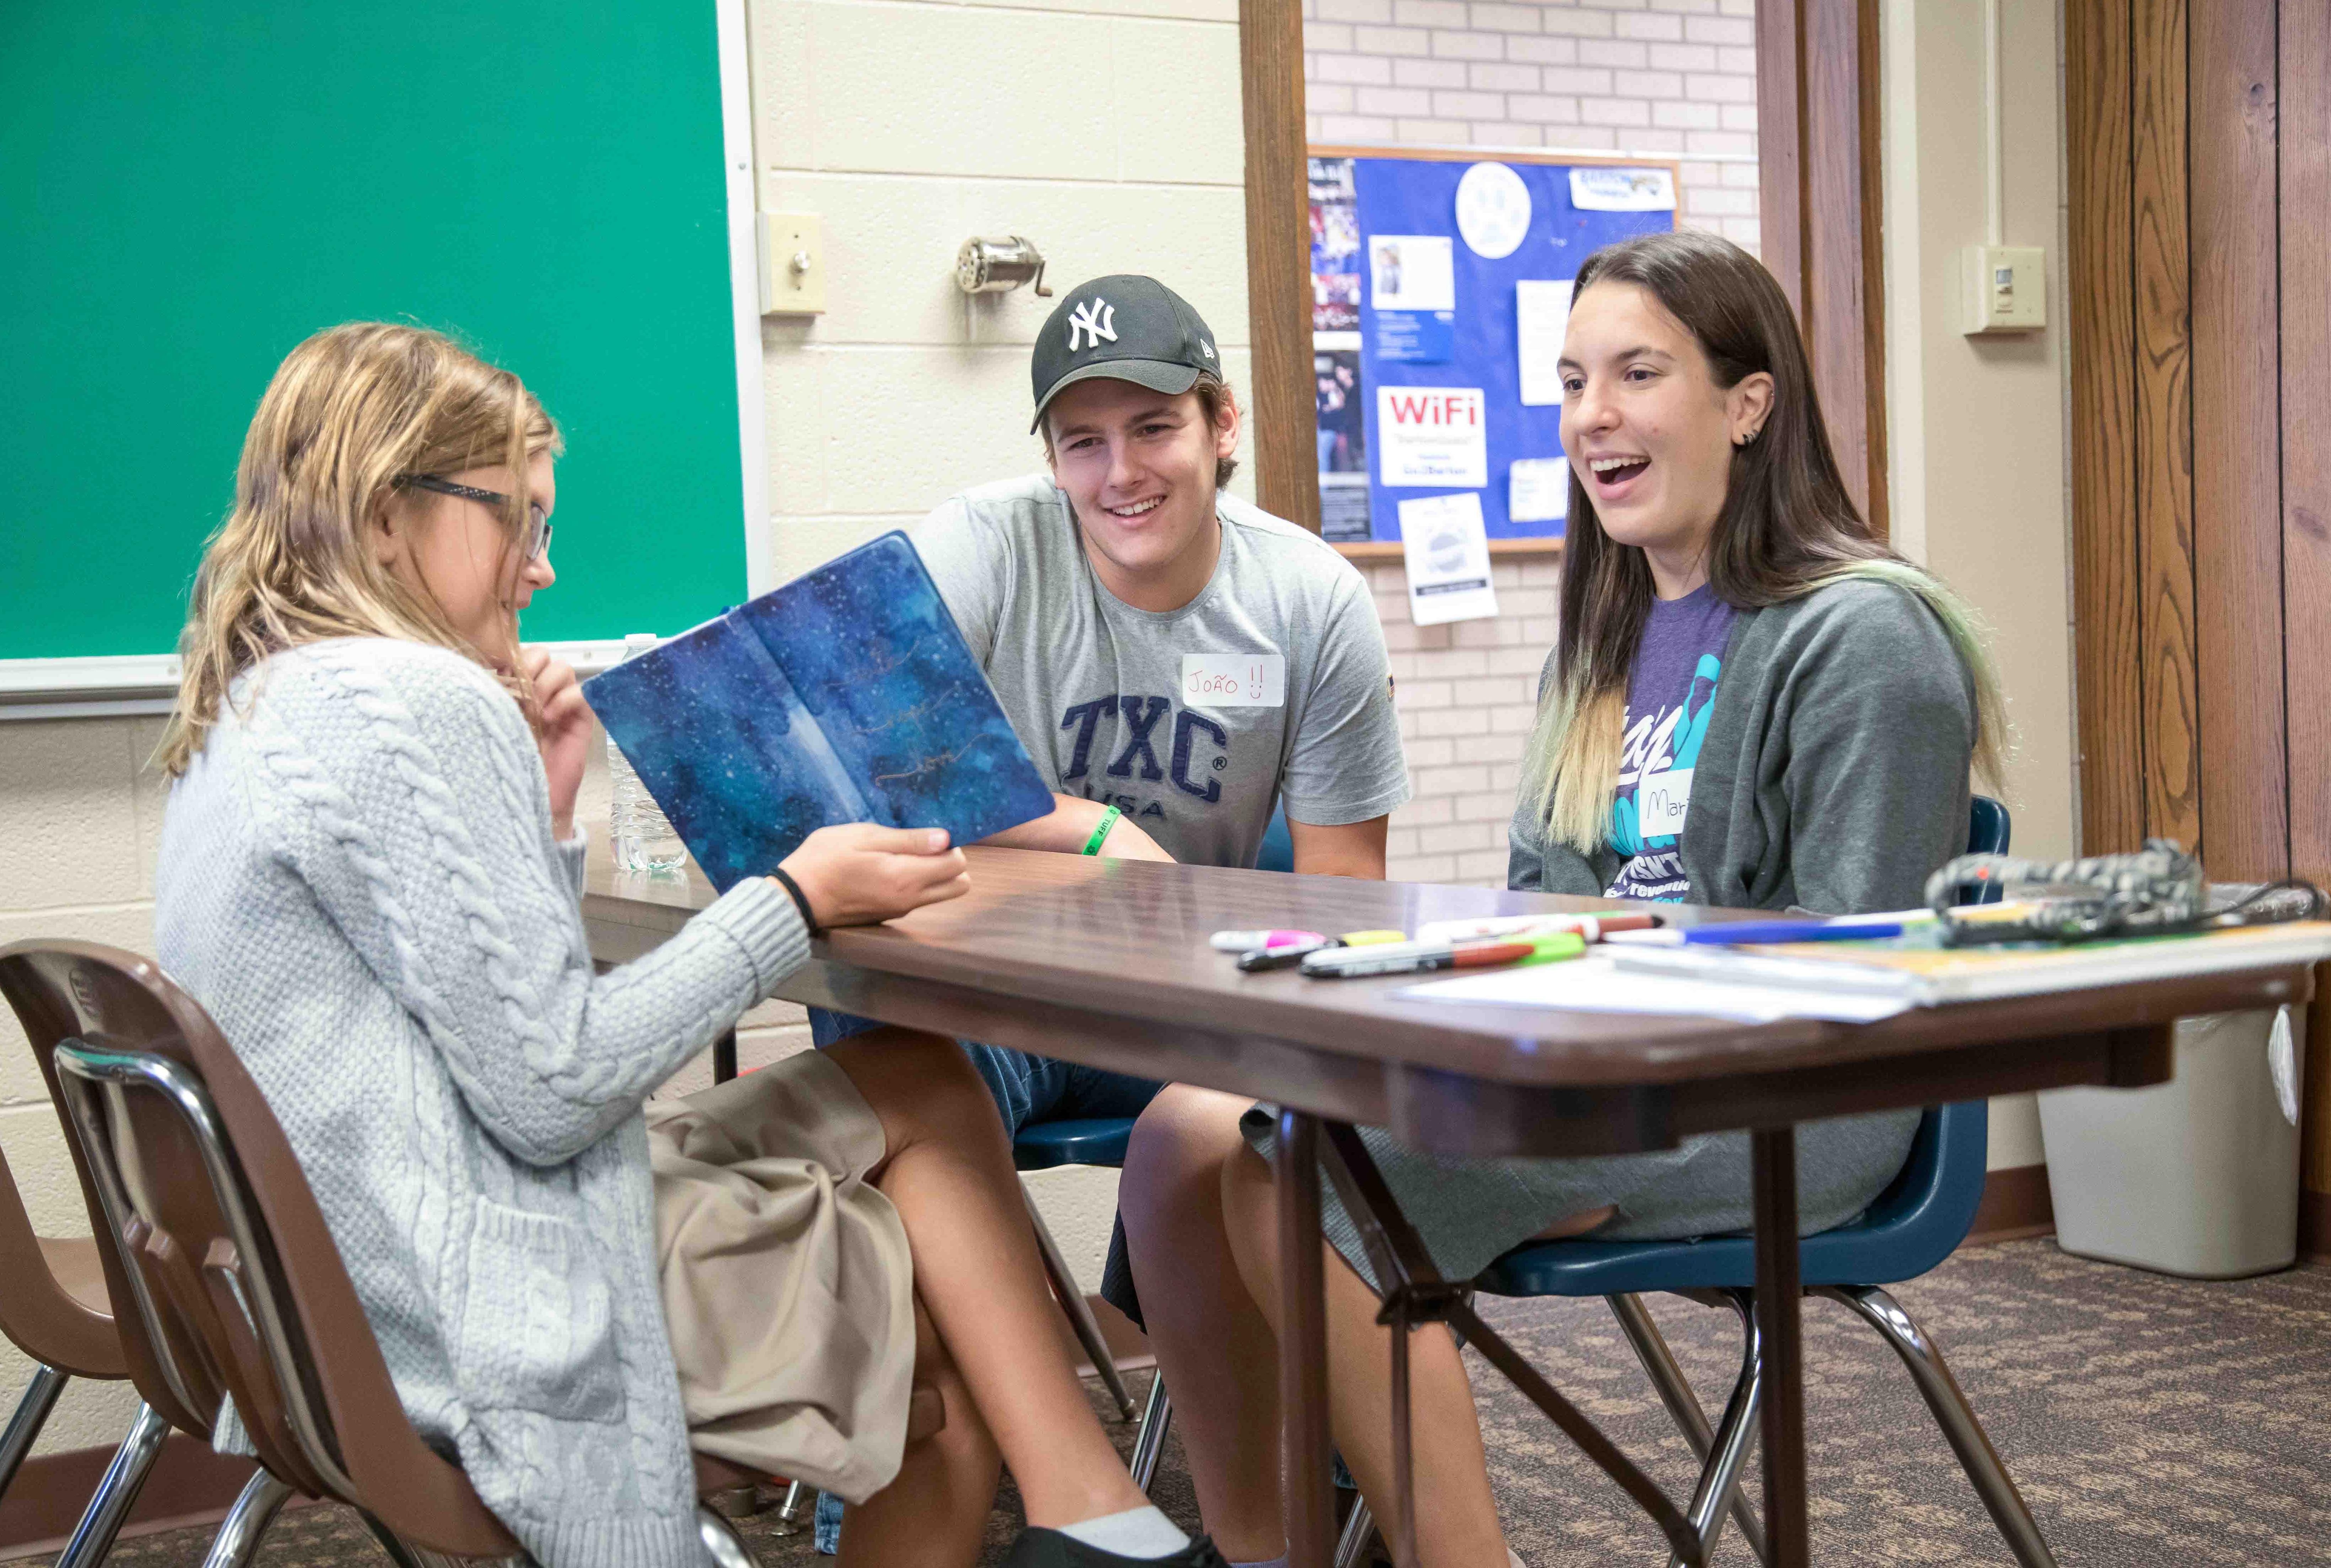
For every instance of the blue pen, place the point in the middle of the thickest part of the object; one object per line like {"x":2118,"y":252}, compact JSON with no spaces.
{"x":1745,"y":931}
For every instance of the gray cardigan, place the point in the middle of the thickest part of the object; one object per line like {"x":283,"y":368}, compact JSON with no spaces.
{"x":1835,"y":773}
{"x":358,"y":879}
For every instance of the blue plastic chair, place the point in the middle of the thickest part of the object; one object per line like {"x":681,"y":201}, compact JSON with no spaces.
{"x":1916,"y":1224}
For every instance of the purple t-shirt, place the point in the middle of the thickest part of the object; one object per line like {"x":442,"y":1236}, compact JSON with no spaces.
{"x":1670,"y":692}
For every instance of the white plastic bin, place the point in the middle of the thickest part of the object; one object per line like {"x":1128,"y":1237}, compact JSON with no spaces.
{"x":2197,"y":1176}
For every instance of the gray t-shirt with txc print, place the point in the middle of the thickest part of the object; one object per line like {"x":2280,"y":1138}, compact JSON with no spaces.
{"x":1272,"y":680}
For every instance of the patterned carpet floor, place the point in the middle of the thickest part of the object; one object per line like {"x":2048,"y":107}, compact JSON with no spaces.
{"x":2151,"y":1422}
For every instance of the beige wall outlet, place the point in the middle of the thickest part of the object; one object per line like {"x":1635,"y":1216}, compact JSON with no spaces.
{"x":793,"y":263}
{"x":2006,"y":290}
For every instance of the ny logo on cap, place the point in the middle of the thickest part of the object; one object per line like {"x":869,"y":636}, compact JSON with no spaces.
{"x":1097,"y":319}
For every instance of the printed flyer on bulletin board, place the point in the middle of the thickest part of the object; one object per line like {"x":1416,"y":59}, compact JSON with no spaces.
{"x":1440,"y":291}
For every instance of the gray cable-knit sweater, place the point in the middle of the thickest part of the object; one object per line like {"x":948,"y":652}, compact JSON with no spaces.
{"x":358,"y":879}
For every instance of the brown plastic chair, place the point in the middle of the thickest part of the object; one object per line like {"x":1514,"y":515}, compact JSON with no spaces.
{"x":212,"y":1232}
{"x":55,"y":1310}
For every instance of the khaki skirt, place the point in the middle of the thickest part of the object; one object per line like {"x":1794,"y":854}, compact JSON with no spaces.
{"x":788,"y":1290}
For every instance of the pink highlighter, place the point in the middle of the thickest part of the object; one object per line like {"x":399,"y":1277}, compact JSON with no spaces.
{"x":1247,"y":941}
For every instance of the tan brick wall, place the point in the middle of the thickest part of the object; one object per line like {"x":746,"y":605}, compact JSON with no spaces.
{"x":1676,"y":78}
{"x":1467,"y":696}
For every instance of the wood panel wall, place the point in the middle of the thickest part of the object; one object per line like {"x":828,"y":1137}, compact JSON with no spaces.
{"x":2199,"y":137}
{"x":2303,"y":107}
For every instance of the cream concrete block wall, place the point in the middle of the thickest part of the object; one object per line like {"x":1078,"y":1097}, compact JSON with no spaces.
{"x":909,"y":127}
{"x":83,"y":818}
{"x":1978,"y":473}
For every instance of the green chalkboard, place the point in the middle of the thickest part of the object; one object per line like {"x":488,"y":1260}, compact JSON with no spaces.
{"x":189,"y":187}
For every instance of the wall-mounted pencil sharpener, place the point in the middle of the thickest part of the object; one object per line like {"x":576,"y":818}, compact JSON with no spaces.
{"x":999,"y":266}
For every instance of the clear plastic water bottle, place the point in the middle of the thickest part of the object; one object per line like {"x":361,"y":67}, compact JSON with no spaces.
{"x":642,"y":841}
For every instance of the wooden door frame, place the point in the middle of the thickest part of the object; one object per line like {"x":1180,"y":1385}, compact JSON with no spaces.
{"x":1817,"y":121}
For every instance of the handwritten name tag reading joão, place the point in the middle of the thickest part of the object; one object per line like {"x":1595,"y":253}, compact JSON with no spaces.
{"x":1234,"y":680}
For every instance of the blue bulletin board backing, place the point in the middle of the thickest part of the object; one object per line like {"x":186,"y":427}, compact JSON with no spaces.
{"x":1360,"y":350}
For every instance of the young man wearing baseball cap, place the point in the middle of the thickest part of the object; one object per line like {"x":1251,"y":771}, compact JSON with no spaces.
{"x":1176,"y":660}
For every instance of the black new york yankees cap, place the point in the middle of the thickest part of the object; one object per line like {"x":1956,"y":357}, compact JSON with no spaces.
{"x":1126,"y":328}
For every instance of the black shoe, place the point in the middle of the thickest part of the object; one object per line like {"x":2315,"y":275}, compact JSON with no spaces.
{"x":1042,"y":1548}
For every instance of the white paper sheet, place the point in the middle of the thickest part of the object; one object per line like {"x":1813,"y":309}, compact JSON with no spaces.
{"x":1413,"y":271}
{"x":1432,"y":435}
{"x":1447,"y":546}
{"x":1593,"y":985}
{"x":1541,"y":316}
{"x":1537,"y":488}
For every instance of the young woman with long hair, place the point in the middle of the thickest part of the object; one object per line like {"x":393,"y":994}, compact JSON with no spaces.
{"x":1751,"y":701}
{"x":370,"y":874}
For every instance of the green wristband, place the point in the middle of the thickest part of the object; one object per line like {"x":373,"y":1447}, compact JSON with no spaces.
{"x":1107,"y":820}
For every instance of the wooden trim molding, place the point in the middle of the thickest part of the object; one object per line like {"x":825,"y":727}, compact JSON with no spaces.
{"x":1278,"y":261}
{"x":2016,"y":1203}
{"x":1817,"y":123}
{"x":2314,"y":1226}
{"x":1393,"y":550}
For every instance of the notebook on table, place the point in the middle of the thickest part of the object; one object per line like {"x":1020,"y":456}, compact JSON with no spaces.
{"x":1915,"y":969}
{"x":846,"y":696}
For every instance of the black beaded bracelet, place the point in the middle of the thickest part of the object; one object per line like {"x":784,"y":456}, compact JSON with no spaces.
{"x":800,"y":899}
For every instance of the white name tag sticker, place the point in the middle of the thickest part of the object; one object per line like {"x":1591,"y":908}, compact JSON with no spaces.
{"x":1234,"y":680}
{"x":1662,"y":799}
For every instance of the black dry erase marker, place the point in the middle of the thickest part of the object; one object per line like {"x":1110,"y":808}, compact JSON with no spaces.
{"x":1286,"y":957}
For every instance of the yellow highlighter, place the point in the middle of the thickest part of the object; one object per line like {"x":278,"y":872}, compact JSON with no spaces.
{"x":1371,"y":939}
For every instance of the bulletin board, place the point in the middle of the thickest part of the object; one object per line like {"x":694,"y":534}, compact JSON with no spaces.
{"x":1439,"y":287}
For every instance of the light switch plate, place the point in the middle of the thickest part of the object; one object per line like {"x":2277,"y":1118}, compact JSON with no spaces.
{"x":793,"y":263}
{"x":2005,"y":290}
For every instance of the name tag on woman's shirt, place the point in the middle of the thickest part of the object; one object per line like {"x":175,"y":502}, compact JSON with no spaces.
{"x":1662,"y":799}
{"x":1234,"y":680}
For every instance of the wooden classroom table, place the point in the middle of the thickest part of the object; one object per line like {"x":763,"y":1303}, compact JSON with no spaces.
{"x":1105,"y":963}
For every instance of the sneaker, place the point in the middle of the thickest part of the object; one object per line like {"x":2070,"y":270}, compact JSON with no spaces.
{"x":1042,"y":1548}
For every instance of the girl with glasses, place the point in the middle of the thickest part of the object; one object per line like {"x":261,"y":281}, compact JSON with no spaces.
{"x":370,"y":874}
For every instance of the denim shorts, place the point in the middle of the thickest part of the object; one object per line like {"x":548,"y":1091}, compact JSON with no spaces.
{"x":1027,"y":1088}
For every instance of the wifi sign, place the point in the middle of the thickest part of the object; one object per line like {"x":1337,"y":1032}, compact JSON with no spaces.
{"x":1432,"y":435}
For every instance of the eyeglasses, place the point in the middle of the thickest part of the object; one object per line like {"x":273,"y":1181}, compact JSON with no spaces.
{"x":537,"y":533}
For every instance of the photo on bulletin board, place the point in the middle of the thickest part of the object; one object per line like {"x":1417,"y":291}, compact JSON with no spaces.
{"x":1441,"y":285}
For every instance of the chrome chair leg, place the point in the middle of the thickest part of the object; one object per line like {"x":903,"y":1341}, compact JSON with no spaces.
{"x":31,"y":1414}
{"x":1353,"y":1544}
{"x":116,"y":1493}
{"x":1736,"y":1437}
{"x":1717,"y":1481}
{"x":1080,"y":1318}
{"x":1149,"y":1442}
{"x":1960,"y":1428}
{"x":799,"y":1505}
{"x":722,"y":1544}
{"x":238,"y":1539}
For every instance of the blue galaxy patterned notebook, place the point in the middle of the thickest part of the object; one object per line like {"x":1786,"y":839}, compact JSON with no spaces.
{"x":846,"y":696}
